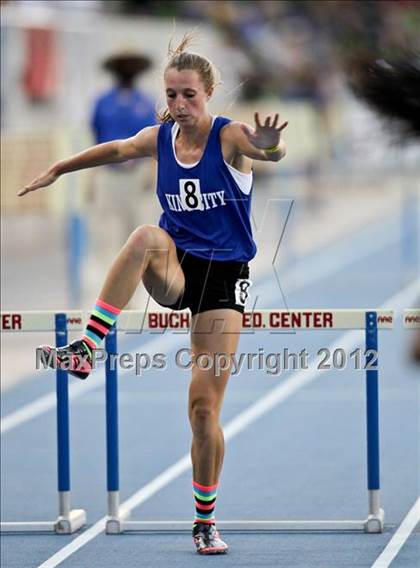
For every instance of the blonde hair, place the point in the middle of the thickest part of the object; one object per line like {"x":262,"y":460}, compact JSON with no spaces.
{"x":180,"y":59}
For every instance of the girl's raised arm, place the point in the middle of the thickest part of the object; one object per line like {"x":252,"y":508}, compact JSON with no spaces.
{"x":142,"y":145}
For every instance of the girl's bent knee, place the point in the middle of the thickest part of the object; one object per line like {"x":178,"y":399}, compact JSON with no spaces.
{"x":145,"y":240}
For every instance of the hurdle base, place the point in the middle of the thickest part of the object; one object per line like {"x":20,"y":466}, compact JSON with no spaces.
{"x":68,"y":524}
{"x":117,"y":525}
{"x":27,"y":526}
{"x":375,"y":523}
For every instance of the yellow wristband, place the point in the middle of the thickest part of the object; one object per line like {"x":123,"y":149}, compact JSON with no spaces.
{"x":272,"y":150}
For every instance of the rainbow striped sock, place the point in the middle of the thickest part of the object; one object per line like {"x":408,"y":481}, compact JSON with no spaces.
{"x":100,"y":322}
{"x":205,"y":502}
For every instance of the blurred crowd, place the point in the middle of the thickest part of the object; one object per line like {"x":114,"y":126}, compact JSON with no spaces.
{"x":283,"y":47}
{"x":292,"y":48}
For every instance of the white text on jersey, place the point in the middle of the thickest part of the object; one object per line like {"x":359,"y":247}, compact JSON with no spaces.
{"x":206,"y":201}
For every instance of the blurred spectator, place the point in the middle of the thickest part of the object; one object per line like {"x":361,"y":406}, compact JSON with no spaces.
{"x":124,"y":109}
{"x":118,"y":193}
{"x":40,"y":75}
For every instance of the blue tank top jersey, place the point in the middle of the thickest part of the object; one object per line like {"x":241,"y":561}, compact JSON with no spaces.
{"x":205,"y":210}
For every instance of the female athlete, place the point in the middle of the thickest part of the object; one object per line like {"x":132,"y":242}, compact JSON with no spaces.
{"x":196,"y":258}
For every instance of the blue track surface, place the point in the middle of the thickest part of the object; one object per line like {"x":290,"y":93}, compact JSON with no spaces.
{"x":305,"y":459}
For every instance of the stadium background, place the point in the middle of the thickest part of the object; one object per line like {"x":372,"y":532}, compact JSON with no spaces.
{"x":346,"y":172}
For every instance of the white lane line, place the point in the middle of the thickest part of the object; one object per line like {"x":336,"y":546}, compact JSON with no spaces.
{"x":232,"y":429}
{"x":397,"y":541}
{"x":77,"y":388}
{"x":319,"y":266}
{"x":262,"y":406}
{"x":44,"y":404}
{"x":306,"y":272}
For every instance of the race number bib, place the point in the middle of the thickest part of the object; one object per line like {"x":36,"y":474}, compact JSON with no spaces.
{"x":241,"y":291}
{"x":190,"y":193}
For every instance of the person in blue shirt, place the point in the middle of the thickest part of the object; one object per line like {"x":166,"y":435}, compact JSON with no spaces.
{"x":196,"y":258}
{"x":123,"y":110}
{"x":118,"y":113}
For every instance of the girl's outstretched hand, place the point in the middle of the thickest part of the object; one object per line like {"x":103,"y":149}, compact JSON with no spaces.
{"x":266,"y":135}
{"x":45,"y":179}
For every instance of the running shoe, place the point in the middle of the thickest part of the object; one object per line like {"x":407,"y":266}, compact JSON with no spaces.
{"x":74,"y":358}
{"x":207,"y":539}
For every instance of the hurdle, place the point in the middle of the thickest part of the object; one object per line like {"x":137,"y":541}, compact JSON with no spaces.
{"x":68,"y":520}
{"x":270,"y":320}
{"x":412,"y":318}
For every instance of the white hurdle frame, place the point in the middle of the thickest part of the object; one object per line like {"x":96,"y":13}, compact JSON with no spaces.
{"x":69,"y":520}
{"x":412,"y":318}
{"x":275,"y":320}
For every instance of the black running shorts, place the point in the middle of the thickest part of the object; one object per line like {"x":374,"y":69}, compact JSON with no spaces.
{"x":212,"y":284}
